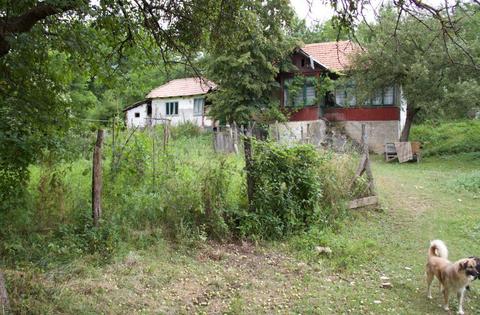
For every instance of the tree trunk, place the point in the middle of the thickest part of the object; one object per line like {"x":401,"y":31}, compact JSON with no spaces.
{"x":97,"y":179}
{"x":247,"y":147}
{"x":411,"y":113}
{"x":4,"y":305}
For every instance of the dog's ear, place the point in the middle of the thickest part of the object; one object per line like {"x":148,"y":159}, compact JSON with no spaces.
{"x":464,"y":265}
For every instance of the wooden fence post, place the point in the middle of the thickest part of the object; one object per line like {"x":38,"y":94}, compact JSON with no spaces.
{"x":277,"y":131}
{"x":247,"y":147}
{"x":166,"y":134}
{"x":364,"y":167}
{"x":97,"y":179}
{"x":368,"y":169}
{"x":4,"y":304}
{"x":235,"y":137}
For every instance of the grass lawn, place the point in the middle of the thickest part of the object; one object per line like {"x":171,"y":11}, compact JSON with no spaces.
{"x":419,"y":203}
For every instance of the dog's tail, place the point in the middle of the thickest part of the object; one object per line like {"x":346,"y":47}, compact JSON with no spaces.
{"x":438,"y":248}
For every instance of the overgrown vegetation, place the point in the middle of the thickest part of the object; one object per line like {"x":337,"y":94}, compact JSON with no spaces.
{"x":185,"y":193}
{"x":278,"y":277}
{"x":295,"y":188}
{"x":443,"y":138}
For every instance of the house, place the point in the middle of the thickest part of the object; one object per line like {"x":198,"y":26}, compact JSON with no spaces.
{"x":384,"y":114}
{"x":176,"y":101}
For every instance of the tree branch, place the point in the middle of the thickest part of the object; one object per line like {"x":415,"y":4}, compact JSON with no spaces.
{"x":24,"y":23}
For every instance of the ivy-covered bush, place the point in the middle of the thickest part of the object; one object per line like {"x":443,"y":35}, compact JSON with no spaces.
{"x":289,"y":190}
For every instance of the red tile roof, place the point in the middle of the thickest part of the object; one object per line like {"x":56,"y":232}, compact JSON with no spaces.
{"x":182,"y":87}
{"x":333,"y":55}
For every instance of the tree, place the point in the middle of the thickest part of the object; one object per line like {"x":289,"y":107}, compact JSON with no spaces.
{"x":48,"y":47}
{"x":246,"y":60}
{"x":327,"y":31}
{"x":428,"y":69}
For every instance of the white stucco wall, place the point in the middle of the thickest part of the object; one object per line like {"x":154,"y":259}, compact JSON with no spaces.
{"x":133,"y":121}
{"x":185,"y":111}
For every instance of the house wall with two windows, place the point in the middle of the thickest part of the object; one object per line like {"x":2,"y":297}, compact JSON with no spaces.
{"x":176,"y":109}
{"x":180,"y":110}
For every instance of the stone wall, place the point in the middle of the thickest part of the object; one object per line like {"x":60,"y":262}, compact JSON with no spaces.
{"x":311,"y":131}
{"x":317,"y":132}
{"x":378,"y":132}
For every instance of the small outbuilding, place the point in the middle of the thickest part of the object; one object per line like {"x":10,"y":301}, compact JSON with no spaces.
{"x":177,"y":101}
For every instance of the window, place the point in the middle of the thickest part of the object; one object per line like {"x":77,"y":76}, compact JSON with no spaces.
{"x":171,"y":108}
{"x":137,"y":115}
{"x":340,"y":96}
{"x":377,"y":98}
{"x":305,"y":94}
{"x":389,"y":95}
{"x":198,"y":106}
{"x":309,"y":94}
{"x":346,"y":96}
{"x":383,"y":97}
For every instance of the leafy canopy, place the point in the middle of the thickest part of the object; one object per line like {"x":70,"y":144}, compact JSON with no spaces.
{"x":247,"y":59}
{"x":434,"y":73}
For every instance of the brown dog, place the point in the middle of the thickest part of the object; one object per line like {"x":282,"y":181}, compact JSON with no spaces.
{"x":453,"y":277}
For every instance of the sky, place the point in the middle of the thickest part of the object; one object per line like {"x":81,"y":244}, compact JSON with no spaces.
{"x":318,"y":11}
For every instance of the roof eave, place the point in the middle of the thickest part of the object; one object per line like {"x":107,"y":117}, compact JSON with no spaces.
{"x":303,"y":52}
{"x":136,"y":104}
{"x":176,"y":96}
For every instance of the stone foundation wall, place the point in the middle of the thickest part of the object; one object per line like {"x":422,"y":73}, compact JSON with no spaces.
{"x":378,"y":132}
{"x":312,"y":131}
{"x":317,"y":133}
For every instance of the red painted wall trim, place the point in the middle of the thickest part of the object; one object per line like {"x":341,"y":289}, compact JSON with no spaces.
{"x":306,"y":113}
{"x":363,"y":113}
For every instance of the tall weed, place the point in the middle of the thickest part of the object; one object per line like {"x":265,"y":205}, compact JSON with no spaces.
{"x":182,"y":191}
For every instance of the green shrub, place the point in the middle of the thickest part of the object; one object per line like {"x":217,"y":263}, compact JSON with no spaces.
{"x":289,"y":190}
{"x":448,"y":137}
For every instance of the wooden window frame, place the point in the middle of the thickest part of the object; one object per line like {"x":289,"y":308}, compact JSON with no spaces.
{"x":202,"y":107}
{"x":369,"y":102}
{"x":174,"y":108}
{"x":286,"y":95}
